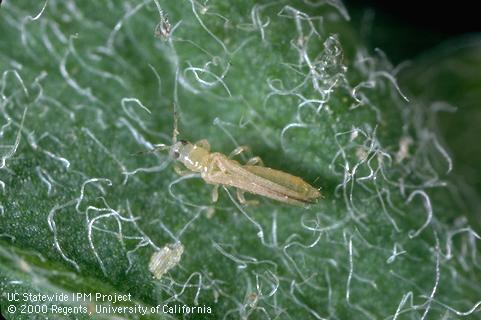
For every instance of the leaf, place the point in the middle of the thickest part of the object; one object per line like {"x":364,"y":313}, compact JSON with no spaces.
{"x":452,"y":70}
{"x":82,"y":213}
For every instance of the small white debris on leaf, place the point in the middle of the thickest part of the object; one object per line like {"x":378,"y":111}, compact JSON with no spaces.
{"x":403,"y":152}
{"x":165,"y":259}
{"x":163,"y":28}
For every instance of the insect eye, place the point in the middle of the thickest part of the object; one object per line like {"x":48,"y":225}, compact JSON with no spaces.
{"x":176,"y":154}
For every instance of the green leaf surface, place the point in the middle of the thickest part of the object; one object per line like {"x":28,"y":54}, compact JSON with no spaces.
{"x":453,"y":71}
{"x":87,"y":85}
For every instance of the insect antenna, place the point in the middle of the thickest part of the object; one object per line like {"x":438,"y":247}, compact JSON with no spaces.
{"x":175,"y":132}
{"x":162,"y":146}
{"x":157,"y":147}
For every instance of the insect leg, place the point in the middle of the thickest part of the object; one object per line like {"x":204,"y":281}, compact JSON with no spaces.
{"x":180,"y":171}
{"x":203,"y":144}
{"x":238,"y":151}
{"x":215,"y":164}
{"x":215,"y":193}
{"x":242,"y":199}
{"x":255,"y":161}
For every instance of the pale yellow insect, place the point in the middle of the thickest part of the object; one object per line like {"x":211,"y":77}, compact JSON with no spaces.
{"x":221,"y":170}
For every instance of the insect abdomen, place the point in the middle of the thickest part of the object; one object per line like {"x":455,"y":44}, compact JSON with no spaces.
{"x":287,"y":180}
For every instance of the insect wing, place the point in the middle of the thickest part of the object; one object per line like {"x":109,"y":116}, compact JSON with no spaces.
{"x":287,"y":180}
{"x":237,"y":176}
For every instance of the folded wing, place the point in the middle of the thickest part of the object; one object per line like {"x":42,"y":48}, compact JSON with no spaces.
{"x":264,"y":181}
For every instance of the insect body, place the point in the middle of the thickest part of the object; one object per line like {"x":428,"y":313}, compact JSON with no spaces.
{"x":221,"y":170}
{"x":218,"y":169}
